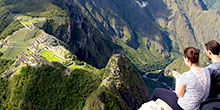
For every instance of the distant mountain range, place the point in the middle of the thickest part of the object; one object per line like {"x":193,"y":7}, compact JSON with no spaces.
{"x":89,"y":54}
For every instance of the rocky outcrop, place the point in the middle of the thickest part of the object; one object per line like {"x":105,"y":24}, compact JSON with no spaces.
{"x":123,"y":88}
{"x":155,"y":105}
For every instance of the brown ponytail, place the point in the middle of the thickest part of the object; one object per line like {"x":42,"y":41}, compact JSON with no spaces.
{"x":192,"y":54}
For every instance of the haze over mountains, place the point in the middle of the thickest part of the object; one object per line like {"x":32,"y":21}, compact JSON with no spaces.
{"x":86,"y":54}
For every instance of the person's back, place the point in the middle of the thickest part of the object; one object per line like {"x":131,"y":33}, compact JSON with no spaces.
{"x":197,"y":88}
{"x":213,"y":102}
{"x":214,"y":70}
{"x":212,"y":51}
{"x":191,"y":87}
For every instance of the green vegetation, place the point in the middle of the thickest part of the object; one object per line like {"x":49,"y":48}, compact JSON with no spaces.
{"x":143,"y":58}
{"x":18,"y":36}
{"x":51,"y":56}
{"x":36,"y":8}
{"x":11,"y":52}
{"x":3,"y":90}
{"x":18,"y":42}
{"x":51,"y":26}
{"x":73,"y":67}
{"x":28,"y":20}
{"x":107,"y":98}
{"x":1,"y":54}
{"x":50,"y":10}
{"x":122,"y":89}
{"x":48,"y":87}
{"x":4,"y":64}
{"x":178,"y":65}
{"x":54,"y":23}
{"x":4,"y":20}
{"x":14,"y":26}
{"x":43,"y":8}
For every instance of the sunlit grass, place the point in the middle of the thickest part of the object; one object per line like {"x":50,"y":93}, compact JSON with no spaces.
{"x":51,"y":56}
{"x":76,"y":67}
{"x":19,"y":68}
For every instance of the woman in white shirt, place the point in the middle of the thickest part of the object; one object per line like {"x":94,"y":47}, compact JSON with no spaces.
{"x":192,"y":87}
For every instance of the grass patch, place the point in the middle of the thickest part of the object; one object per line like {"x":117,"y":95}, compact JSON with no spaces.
{"x":14,"y":26}
{"x":51,"y":56}
{"x":11,"y":52}
{"x":73,"y":67}
{"x":18,"y":36}
{"x":19,"y":68}
{"x":28,"y":20}
{"x":18,"y":42}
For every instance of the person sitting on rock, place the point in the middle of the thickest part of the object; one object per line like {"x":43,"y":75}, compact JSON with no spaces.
{"x":192,"y":87}
{"x":212,"y":50}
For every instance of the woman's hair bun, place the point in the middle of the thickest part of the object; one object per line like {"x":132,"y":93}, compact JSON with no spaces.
{"x":192,"y":54}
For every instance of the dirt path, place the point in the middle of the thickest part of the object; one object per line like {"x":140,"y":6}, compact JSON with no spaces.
{"x":25,"y":26}
{"x":14,"y":46}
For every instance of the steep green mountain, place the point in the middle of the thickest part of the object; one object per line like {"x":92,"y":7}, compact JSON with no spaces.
{"x":120,"y":83}
{"x":118,"y":86}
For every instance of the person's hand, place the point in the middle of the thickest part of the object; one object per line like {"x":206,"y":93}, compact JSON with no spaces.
{"x":175,"y":74}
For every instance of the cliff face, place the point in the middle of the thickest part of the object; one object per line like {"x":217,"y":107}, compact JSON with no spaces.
{"x":130,"y":26}
{"x":189,"y":23}
{"x":86,"y":41}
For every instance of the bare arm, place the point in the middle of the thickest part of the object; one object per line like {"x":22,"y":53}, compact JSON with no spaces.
{"x":179,"y":88}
